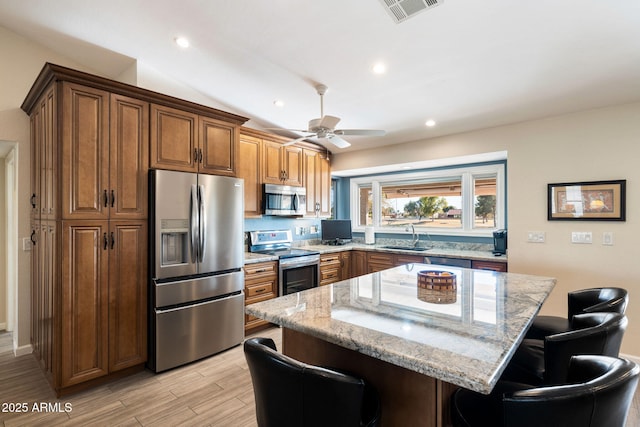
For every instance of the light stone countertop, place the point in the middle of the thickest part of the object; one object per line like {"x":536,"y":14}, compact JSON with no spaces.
{"x":384,"y":315}
{"x":250,"y":258}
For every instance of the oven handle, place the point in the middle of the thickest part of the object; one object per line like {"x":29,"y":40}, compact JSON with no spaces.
{"x":295,"y":264}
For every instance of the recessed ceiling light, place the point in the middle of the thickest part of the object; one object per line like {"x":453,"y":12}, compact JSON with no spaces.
{"x":430,"y":123}
{"x":379,"y":68}
{"x":278,"y":103}
{"x":182,"y":42}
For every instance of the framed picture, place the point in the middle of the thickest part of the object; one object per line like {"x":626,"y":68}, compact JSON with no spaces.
{"x":587,"y":201}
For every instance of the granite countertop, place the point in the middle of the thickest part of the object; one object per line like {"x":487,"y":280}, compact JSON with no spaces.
{"x":250,"y":258}
{"x":466,"y":342}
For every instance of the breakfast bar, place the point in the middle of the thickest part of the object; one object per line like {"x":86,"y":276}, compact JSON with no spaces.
{"x":416,"y":343}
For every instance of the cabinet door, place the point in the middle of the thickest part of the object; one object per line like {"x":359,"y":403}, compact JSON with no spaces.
{"x":173,"y":139}
{"x":358,"y":263}
{"x":317,"y":181}
{"x":36,"y":142}
{"x":127,"y":294}
{"x":84,"y":306}
{"x":489,"y":265}
{"x":272,"y":171}
{"x":345,"y":265}
{"x":292,"y":166}
{"x":85,"y":152}
{"x":249,"y":169}
{"x":129,"y":158}
{"x":219,"y":145}
{"x":323,"y":185}
{"x":311,"y":175}
{"x":49,"y":158}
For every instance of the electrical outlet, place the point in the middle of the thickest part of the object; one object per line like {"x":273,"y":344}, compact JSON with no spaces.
{"x":582,"y":237}
{"x":26,"y":244}
{"x":536,"y":236}
{"x":607,"y":238}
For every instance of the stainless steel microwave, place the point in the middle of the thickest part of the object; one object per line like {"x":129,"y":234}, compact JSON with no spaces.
{"x":284,"y":200}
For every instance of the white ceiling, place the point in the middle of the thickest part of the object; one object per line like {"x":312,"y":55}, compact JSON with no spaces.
{"x":467,"y":64}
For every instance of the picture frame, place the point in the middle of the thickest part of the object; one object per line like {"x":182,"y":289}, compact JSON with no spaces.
{"x":587,"y":201}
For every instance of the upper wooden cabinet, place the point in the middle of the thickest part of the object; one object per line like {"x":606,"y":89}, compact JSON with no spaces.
{"x":104,"y":154}
{"x":282,"y":165}
{"x":250,"y":169}
{"x":317,"y":181}
{"x":190,"y":142}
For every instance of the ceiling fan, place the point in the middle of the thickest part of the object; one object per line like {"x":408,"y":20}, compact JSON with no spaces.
{"x":324,"y":128}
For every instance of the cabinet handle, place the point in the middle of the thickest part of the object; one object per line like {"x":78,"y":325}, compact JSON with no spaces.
{"x":113,"y":198}
{"x":257,"y":291}
{"x":105,"y":241}
{"x":33,"y":234}
{"x":262,"y":270}
{"x":33,"y":200}
{"x":113,"y":240}
{"x":200,"y":155}
{"x":195,"y":155}
{"x":106,"y":198}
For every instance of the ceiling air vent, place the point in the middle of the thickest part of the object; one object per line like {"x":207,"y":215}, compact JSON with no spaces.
{"x":401,"y":10}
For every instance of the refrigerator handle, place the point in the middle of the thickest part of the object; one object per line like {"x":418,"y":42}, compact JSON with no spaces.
{"x":202,"y":223}
{"x":193,"y":223}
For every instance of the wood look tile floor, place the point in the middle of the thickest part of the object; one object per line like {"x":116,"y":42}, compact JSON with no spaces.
{"x":213,"y":392}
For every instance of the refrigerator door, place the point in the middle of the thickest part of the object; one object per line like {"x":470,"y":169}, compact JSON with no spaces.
{"x":222,"y":223}
{"x":175,"y":234}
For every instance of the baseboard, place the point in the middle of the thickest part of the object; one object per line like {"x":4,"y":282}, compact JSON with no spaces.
{"x":3,"y":326}
{"x":21,"y":351}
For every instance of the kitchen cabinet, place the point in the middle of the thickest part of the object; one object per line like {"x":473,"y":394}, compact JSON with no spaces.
{"x":260,"y":284}
{"x":330,"y":268}
{"x":190,"y":142}
{"x":44,"y":161}
{"x":378,"y":261}
{"x":317,"y":181}
{"x":103,"y":293}
{"x":358,"y":263}
{"x":104,"y":155}
{"x":250,"y":169}
{"x":489,"y":265}
{"x":345,"y":265}
{"x":281,"y":165}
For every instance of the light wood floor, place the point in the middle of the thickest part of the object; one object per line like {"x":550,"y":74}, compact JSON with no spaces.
{"x":214,"y":392}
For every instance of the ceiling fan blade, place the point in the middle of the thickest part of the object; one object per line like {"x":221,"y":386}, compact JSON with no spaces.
{"x":365,"y":132}
{"x":290,"y":130}
{"x":338,"y":142}
{"x":328,"y":122}
{"x":302,"y":138}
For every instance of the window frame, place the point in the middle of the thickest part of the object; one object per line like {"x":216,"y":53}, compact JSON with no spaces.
{"x":467,"y":176}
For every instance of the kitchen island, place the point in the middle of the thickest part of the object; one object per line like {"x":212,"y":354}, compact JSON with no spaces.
{"x":414,"y":345}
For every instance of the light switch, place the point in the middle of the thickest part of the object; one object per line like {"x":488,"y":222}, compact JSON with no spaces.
{"x":536,"y":236}
{"x":582,"y":237}
{"x":607,"y":238}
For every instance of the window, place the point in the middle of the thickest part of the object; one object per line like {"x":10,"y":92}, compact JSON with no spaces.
{"x":464,"y":200}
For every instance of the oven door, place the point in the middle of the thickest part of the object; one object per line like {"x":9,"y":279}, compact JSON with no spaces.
{"x":298,"y":274}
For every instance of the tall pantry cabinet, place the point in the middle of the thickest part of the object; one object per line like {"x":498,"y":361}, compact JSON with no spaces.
{"x":90,"y":141}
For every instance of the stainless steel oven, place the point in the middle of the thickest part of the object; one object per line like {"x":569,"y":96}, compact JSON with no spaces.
{"x":298,"y":273}
{"x":298,"y":269}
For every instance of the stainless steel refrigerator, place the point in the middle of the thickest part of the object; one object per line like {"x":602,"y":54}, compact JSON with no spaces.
{"x":196,"y":277}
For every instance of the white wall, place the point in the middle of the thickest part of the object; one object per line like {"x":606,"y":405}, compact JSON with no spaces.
{"x":594,"y":145}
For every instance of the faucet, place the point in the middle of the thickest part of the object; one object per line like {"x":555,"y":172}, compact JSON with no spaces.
{"x":415,"y":238}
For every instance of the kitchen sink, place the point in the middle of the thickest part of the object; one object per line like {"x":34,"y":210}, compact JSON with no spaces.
{"x":406,"y":248}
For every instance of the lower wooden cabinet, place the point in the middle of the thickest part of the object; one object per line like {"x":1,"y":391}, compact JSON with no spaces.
{"x":103,"y":314}
{"x":358,"y":263}
{"x":489,"y":265}
{"x":260,"y":284}
{"x":330,"y":268}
